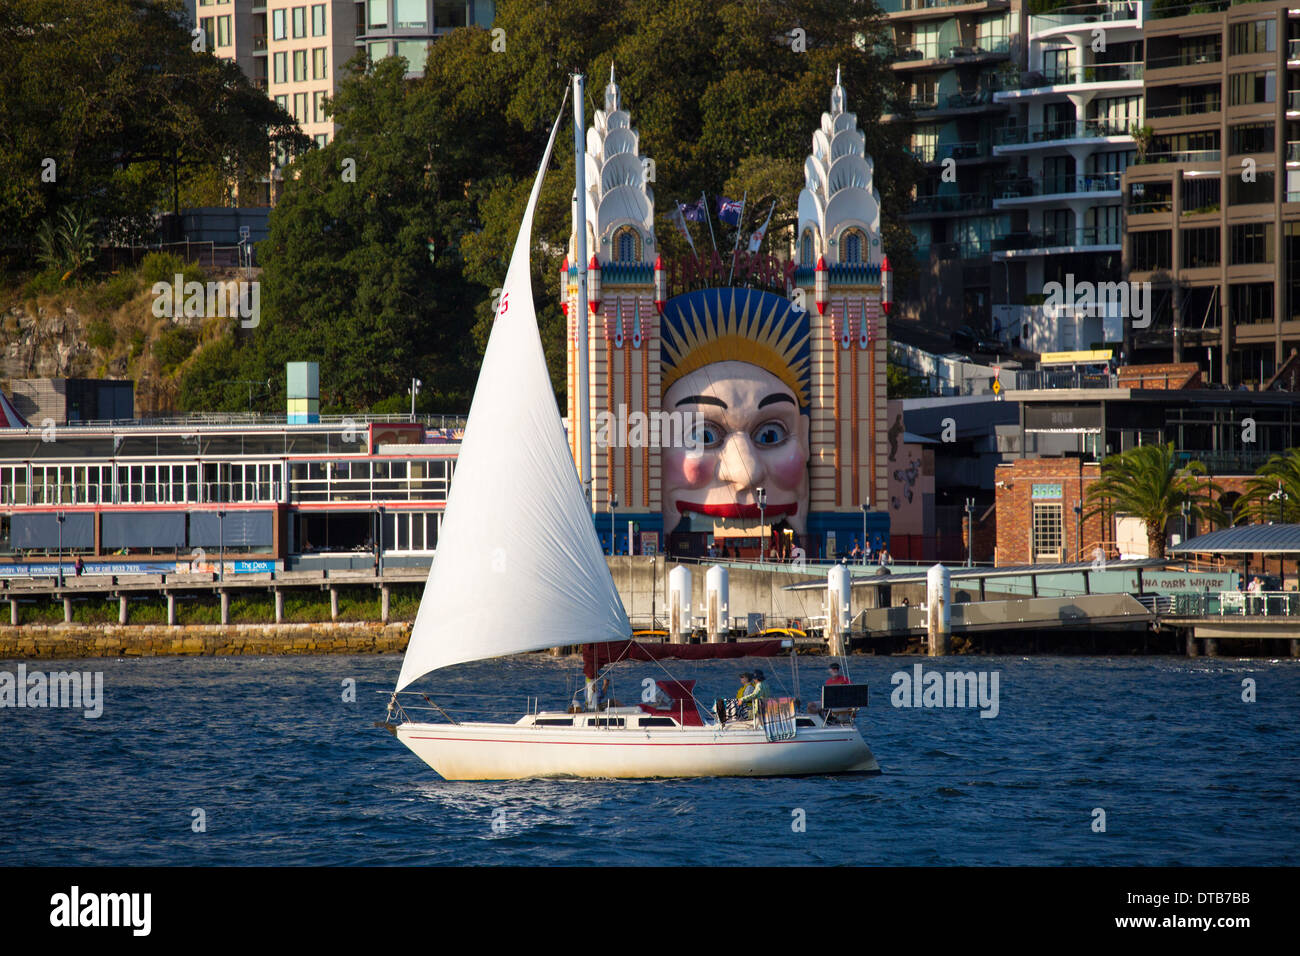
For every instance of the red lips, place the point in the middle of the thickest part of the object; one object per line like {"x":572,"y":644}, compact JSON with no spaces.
{"x":738,"y":510}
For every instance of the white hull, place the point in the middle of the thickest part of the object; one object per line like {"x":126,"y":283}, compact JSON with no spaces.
{"x":482,"y":751}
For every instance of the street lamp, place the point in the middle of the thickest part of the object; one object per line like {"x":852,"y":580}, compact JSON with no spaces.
{"x":61,"y":516}
{"x":379,"y":541}
{"x":762,"y":522}
{"x":1280,"y":497}
{"x":1078,"y":529}
{"x":415,"y":390}
{"x":1186,"y":509}
{"x":613,"y":537}
{"x":970,"y":530}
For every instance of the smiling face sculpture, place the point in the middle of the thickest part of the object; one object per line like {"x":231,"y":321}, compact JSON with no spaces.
{"x":735,"y":362}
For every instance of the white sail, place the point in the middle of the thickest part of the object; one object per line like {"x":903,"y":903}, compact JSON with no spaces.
{"x":518,"y":565}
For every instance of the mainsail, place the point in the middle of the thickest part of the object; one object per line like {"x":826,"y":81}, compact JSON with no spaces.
{"x":518,"y":565}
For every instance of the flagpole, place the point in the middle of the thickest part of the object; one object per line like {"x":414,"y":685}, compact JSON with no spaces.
{"x":709,"y":219}
{"x":740,"y":224}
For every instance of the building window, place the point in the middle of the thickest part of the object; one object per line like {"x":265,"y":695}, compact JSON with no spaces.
{"x":1200,"y":247}
{"x":852,"y":245}
{"x":377,"y":51}
{"x":416,"y":53}
{"x":318,"y":106}
{"x":449,"y":14}
{"x":318,"y":63}
{"x":1250,"y":303}
{"x":318,"y":20}
{"x":1257,"y":87}
{"x":300,"y":108}
{"x":1257,"y":36}
{"x":277,"y":25}
{"x":1260,"y":190}
{"x":1057,"y":64}
{"x":377,"y":16}
{"x":1251,"y":138}
{"x":279,"y":65}
{"x":282,"y":101}
{"x":410,"y":14}
{"x":806,"y":248}
{"x":1250,"y":244}
{"x":1200,"y":194}
{"x":322,"y":140}
{"x":299,"y":22}
{"x":1047,"y":533}
{"x":626,"y":245}
{"x":299,"y":65}
{"x":1149,"y":251}
{"x":1149,"y":197}
{"x":223,"y":30}
{"x":208,"y":25}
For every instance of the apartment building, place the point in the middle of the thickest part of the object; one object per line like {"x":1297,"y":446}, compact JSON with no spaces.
{"x":953,"y":57}
{"x":1068,"y":139}
{"x":296,"y":52}
{"x":1213,"y":201}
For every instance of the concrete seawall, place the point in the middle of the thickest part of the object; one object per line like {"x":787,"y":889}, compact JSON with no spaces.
{"x":156,"y":640}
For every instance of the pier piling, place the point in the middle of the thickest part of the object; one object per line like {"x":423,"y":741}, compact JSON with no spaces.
{"x":121,"y":608}
{"x":225,"y":607}
{"x":938,"y":589}
{"x":279,"y":606}
{"x":171,"y":608}
{"x":13,"y":612}
{"x":334,"y":604}
{"x":1295,"y":647}
{"x":67,"y":609}
{"x":1191,"y":644}
{"x":383,"y":604}
{"x":1211,"y":647}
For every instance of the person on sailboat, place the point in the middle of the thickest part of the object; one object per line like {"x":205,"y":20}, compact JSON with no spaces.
{"x":756,"y":693}
{"x":746,"y":681}
{"x":605,"y":695}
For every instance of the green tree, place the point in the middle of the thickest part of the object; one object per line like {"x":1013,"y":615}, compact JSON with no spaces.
{"x":1147,"y":482}
{"x":106,"y":106}
{"x":1260,"y":501}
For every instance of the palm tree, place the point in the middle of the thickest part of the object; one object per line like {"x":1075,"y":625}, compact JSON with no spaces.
{"x":1260,"y":500}
{"x":1147,"y":482}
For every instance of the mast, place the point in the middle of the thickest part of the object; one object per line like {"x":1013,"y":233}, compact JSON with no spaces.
{"x":580,"y":257}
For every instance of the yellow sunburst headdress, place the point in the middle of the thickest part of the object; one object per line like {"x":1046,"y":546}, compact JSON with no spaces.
{"x":736,"y":325}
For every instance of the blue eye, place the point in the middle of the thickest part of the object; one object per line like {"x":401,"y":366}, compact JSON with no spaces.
{"x":707,"y":434}
{"x":773,"y":433}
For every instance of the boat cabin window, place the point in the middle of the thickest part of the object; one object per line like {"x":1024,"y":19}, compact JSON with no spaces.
{"x":605,"y":721}
{"x":805,"y":722}
{"x":658,"y":722}
{"x":553,"y":722}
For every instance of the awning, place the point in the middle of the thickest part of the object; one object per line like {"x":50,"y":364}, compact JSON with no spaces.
{"x":42,"y":531}
{"x":598,"y":656}
{"x":239,"y":529}
{"x":143,"y":529}
{"x":1244,"y":539}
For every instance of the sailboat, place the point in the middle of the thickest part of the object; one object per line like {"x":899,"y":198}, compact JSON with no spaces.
{"x":519,"y":568}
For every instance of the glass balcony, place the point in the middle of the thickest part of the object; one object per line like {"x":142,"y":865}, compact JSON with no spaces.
{"x":951,"y":202}
{"x":1048,"y":132}
{"x":1293,"y":152}
{"x":1293,"y":49}
{"x":1293,"y":101}
{"x":1097,"y":73}
{"x":1058,"y":238}
{"x":1165,"y":9}
{"x":1056,"y":185}
{"x":259,"y":43}
{"x":902,"y":6}
{"x":1083,"y":13}
{"x":1183,"y":156}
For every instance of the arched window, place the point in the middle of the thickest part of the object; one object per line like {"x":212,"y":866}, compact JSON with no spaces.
{"x":625,"y":245}
{"x":852,"y":245}
{"x":806,"y":248}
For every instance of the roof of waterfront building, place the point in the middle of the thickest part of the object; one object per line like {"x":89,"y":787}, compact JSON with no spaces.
{"x":1245,"y":539}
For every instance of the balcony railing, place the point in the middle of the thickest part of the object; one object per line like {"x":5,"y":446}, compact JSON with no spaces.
{"x":1083,"y":13}
{"x":1054,"y":185}
{"x":1293,"y":49}
{"x":1096,"y":73}
{"x":1164,"y":9}
{"x":1293,"y":101}
{"x":1149,"y":206}
{"x":1185,"y":58}
{"x":1055,"y":238}
{"x":900,"y":6}
{"x":953,"y":202}
{"x":1086,"y":129}
{"x":1182,"y":156}
{"x":1204,"y":104}
{"x":259,"y":42}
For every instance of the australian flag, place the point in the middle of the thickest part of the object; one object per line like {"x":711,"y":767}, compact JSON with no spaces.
{"x":729,"y":211}
{"x":693,"y":211}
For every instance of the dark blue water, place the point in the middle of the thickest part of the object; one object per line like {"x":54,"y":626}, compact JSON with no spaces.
{"x":288,"y":773}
